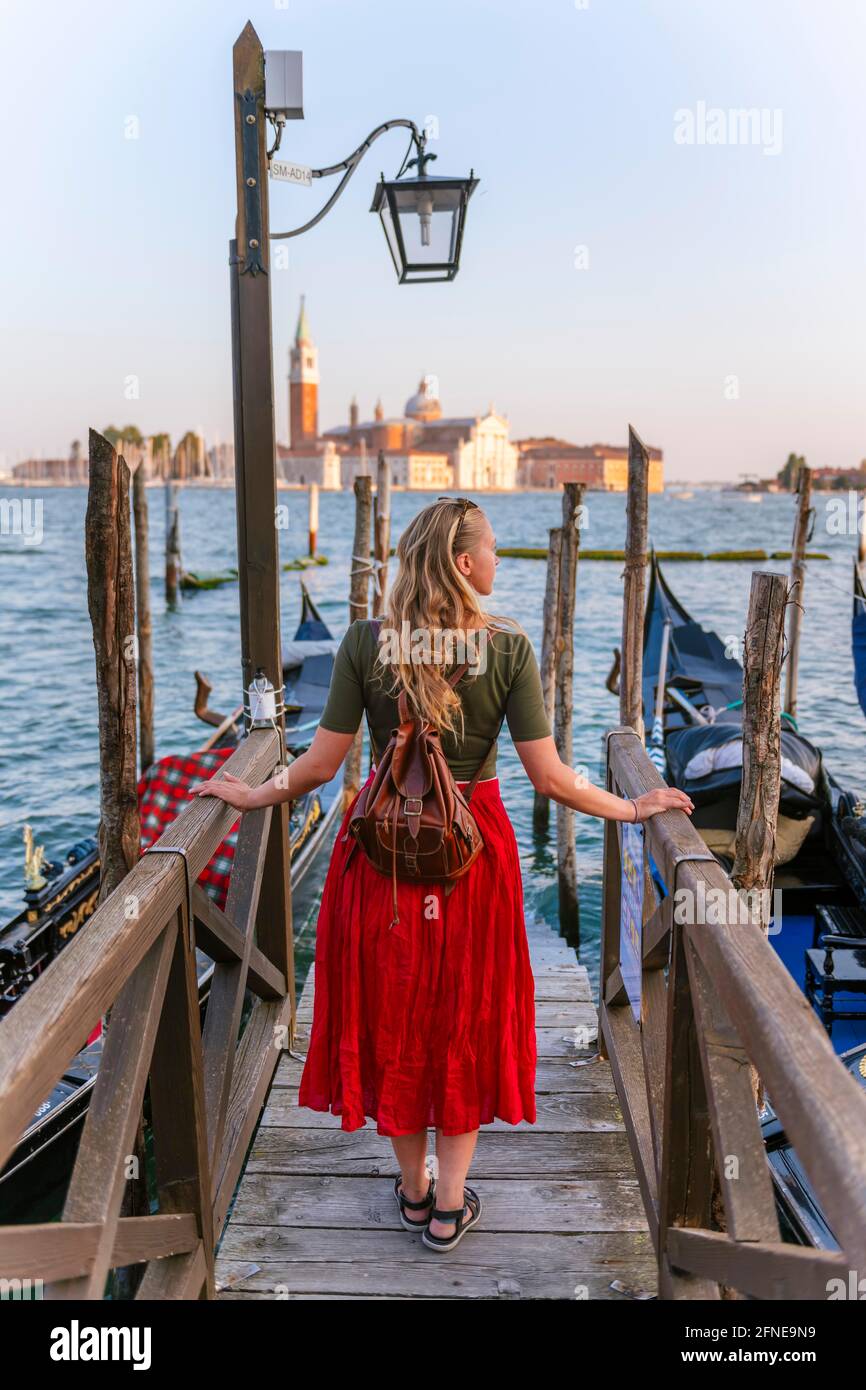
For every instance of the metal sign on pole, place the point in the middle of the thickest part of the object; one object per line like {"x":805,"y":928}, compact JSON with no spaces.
{"x":291,"y":173}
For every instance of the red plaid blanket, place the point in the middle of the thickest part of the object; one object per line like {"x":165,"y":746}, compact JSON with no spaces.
{"x":164,"y":790}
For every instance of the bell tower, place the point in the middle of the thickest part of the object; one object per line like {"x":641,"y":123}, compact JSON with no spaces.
{"x":303,"y":385}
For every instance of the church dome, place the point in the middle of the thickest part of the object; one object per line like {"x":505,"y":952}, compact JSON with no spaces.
{"x":424,"y":405}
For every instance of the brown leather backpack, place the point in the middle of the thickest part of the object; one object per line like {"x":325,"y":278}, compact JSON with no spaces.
{"x":412,"y":821}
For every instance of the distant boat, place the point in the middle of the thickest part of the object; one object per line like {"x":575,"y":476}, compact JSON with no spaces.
{"x":683,"y":496}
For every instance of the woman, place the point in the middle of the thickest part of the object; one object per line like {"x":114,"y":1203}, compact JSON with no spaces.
{"x":432,"y":1022}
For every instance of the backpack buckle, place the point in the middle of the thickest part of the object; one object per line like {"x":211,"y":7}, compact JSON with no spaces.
{"x":417,"y":806}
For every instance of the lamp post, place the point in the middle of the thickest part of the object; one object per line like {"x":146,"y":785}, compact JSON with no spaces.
{"x":423,"y":219}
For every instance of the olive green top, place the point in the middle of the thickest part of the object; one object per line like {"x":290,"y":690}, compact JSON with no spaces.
{"x":510,"y":686}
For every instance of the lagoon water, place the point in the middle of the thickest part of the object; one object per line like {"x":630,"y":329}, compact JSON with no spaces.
{"x":48,"y":718}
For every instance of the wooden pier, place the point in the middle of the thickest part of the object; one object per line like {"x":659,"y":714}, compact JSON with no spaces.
{"x":315,"y":1217}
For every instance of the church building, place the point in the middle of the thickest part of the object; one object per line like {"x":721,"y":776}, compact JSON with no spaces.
{"x":425,"y":450}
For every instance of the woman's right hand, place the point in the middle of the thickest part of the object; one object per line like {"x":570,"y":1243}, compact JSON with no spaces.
{"x":663,"y":799}
{"x":228,"y":788}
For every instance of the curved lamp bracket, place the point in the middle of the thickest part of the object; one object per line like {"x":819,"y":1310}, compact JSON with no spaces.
{"x":350,"y":165}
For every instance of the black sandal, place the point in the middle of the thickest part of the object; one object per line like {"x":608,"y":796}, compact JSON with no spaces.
{"x":404,"y":1204}
{"x":463,"y":1222}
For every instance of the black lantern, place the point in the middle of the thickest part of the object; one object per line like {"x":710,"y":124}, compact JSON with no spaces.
{"x":423,"y":220}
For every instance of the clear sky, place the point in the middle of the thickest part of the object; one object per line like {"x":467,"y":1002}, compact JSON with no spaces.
{"x":718,"y":303}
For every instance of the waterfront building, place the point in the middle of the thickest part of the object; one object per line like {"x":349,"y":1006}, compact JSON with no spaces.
{"x":548,"y":463}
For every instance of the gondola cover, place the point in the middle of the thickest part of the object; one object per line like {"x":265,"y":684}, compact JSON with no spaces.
{"x":701,"y":746}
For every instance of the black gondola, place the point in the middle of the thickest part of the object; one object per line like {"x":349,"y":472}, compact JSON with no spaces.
{"x":821,"y":847}
{"x":858,"y":632}
{"x":34,"y":1178}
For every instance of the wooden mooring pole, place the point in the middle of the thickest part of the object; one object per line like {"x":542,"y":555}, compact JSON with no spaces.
{"x":111,"y":600}
{"x":255,"y":463}
{"x":381,"y":532}
{"x":359,"y":585}
{"x":111,"y":603}
{"x":144,"y":624}
{"x":798,"y":580}
{"x":758,"y":810}
{"x":563,"y":713}
{"x":550,"y":623}
{"x":172,"y":541}
{"x":313,"y":529}
{"x":760,"y":785}
{"x":634,"y":591}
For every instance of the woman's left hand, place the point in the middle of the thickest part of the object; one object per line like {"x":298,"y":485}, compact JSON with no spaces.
{"x":227,"y":788}
{"x":663,"y":799}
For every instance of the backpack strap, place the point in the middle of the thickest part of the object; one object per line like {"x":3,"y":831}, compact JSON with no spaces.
{"x":473,"y":784}
{"x":454,"y":679}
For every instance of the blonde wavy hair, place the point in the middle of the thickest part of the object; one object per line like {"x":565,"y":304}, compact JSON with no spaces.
{"x":430,"y":594}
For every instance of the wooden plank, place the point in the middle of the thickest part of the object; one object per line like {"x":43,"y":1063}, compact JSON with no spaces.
{"x":571,"y":1113}
{"x":820,"y":1105}
{"x":686,"y":1170}
{"x":656,"y":944}
{"x":741,"y":1156}
{"x":505,"y":1151}
{"x":265,"y":1034}
{"x":552,"y":1074}
{"x":220,"y":939}
{"x":367,"y":1203}
{"x":66,"y":1250}
{"x":99,"y":1178}
{"x":225,"y":1002}
{"x":176,"y":1277}
{"x":759,"y":1269}
{"x":54,"y":1018}
{"x":177,"y":1104}
{"x":623,"y":1048}
{"x":653,"y":1035}
{"x":391,"y":1263}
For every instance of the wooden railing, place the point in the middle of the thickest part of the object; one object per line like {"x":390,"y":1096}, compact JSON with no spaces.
{"x":715,"y":998}
{"x":136,"y":956}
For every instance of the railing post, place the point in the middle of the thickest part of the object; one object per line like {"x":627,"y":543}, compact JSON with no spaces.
{"x":255,"y":458}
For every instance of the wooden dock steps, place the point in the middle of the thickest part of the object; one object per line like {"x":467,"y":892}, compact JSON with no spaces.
{"x":315,"y":1216}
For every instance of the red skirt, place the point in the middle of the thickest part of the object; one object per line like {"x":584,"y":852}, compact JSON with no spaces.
{"x":431,"y":1022}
